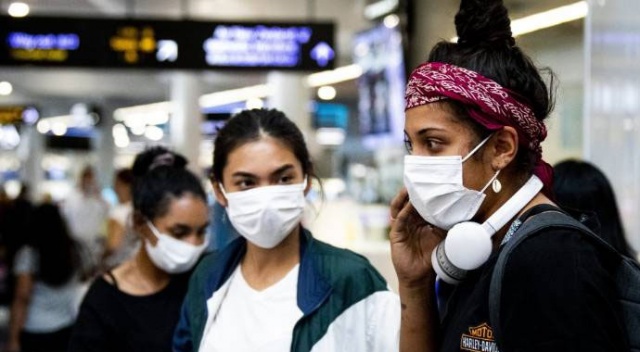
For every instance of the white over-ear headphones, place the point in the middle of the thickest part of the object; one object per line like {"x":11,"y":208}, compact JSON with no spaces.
{"x":468,"y":244}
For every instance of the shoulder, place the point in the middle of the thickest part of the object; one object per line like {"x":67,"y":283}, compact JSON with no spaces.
{"x":101,"y":296}
{"x":560,"y":261}
{"x":26,"y":260}
{"x":554,"y":246}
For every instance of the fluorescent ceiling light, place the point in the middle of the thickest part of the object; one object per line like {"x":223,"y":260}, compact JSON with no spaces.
{"x":340,"y":74}
{"x":147,"y":109}
{"x":18,"y":9}
{"x":547,"y":19}
{"x":234,"y":95}
{"x":132,"y":115}
{"x":380,"y":8}
{"x":5,"y":88}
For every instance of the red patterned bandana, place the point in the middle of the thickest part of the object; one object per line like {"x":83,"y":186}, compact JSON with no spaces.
{"x":486,"y":101}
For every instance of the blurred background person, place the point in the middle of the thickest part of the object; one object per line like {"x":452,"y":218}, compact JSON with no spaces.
{"x":121,"y":242}
{"x":17,"y":217}
{"x":581,"y":187}
{"x":136,"y":306}
{"x":46,"y":292}
{"x":86,"y":213}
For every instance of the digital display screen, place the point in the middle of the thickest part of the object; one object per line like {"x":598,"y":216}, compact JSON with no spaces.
{"x":138,"y":43}
{"x":381,"y":86}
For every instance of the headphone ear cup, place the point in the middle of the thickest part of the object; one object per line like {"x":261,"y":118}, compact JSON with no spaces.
{"x":467,"y":247}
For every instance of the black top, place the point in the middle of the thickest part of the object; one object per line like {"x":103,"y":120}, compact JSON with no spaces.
{"x":558,"y":294}
{"x":111,"y":320}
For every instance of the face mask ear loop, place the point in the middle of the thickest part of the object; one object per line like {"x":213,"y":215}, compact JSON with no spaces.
{"x":491,"y":181}
{"x":476,"y":148}
{"x":222,"y":189}
{"x":154,"y":230}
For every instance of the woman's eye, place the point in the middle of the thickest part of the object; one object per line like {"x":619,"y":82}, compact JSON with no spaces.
{"x":179,"y":234}
{"x":244,"y":184}
{"x":286,"y":179}
{"x":432,"y":144}
{"x":408,"y":146}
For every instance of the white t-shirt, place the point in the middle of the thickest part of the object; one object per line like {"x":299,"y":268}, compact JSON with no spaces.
{"x":255,"y":321}
{"x":50,"y":308}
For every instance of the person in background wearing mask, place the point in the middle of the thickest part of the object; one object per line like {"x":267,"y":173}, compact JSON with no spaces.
{"x":86,"y":213}
{"x":276,"y":288}
{"x":135,"y":307}
{"x":121,"y":241}
{"x":475,"y":177}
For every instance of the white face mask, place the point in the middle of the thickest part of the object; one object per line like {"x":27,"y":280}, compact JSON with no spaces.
{"x":435,"y":188}
{"x":172,"y":255}
{"x":266,"y":215}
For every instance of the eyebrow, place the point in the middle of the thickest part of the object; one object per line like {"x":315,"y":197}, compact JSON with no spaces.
{"x":278,"y":171}
{"x":429,"y":129}
{"x":186,"y":227}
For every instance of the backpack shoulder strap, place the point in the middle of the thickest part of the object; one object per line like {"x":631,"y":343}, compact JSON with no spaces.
{"x":531,"y":227}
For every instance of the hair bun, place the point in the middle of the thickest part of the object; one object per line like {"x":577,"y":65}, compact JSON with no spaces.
{"x":156,"y":157}
{"x":483,"y":22}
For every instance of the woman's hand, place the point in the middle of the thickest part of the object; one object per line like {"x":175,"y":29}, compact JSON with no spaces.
{"x":412,"y":241}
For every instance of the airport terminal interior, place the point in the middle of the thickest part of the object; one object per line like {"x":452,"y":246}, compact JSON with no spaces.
{"x":94,"y":82}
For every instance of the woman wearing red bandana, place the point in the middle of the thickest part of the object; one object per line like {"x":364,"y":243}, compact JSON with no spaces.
{"x":474,"y":177}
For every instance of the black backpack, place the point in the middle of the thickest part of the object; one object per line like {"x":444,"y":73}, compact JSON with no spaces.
{"x":627,"y":276}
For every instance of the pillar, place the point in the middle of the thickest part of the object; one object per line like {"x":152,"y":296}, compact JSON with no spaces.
{"x":186,"y":119}
{"x":291,"y":94}
{"x":30,"y":153}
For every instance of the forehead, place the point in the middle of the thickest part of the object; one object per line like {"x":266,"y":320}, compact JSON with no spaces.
{"x":186,"y":209}
{"x":434,"y":116}
{"x":260,"y":156}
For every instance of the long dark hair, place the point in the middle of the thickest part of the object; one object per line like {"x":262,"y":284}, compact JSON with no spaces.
{"x":486,"y":46}
{"x":58,"y":253}
{"x":160,"y":175}
{"x":251,"y":125}
{"x":581,"y":186}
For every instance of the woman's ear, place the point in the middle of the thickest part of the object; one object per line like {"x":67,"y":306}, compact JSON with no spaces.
{"x":504,"y":147}
{"x":140,"y":225}
{"x":217,"y":191}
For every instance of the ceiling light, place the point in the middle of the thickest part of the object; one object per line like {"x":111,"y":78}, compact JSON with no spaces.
{"x":18,"y":9}
{"x":340,"y":74}
{"x":59,"y":128}
{"x":547,"y":19}
{"x":234,"y":95}
{"x":154,"y":133}
{"x":5,"y":88}
{"x":326,"y":93}
{"x":391,"y":21}
{"x":254,"y":103}
{"x":380,"y":8}
{"x":43,"y":126}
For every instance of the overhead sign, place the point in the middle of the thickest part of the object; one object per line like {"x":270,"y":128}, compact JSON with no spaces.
{"x":83,"y":42}
{"x":10,"y":115}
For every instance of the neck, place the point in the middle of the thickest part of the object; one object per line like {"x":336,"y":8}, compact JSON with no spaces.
{"x":141,"y":276}
{"x":498,"y":200}
{"x":263,"y":267}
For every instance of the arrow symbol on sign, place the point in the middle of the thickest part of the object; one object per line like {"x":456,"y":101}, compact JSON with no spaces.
{"x":167,"y":50}
{"x":322,"y":53}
